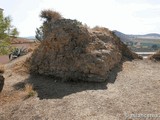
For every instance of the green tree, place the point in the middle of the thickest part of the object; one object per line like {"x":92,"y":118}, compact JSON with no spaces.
{"x":14,"y":32}
{"x":154,"y":47}
{"x":48,"y":17}
{"x":6,"y":32}
{"x":39,"y":33}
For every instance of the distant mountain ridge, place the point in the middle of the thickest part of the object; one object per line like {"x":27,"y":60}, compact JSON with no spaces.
{"x":30,"y":37}
{"x":130,"y":37}
{"x":153,"y":34}
{"x":122,"y":36}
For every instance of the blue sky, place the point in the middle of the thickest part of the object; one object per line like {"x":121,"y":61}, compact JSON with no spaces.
{"x":127,"y":16}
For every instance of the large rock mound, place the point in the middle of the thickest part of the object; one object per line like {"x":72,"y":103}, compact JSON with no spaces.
{"x":74,"y":52}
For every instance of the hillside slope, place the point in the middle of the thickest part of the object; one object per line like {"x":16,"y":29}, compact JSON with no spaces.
{"x":132,"y":89}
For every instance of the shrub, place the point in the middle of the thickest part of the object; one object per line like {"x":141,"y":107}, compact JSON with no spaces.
{"x":29,"y":90}
{"x":39,"y":34}
{"x":101,"y":29}
{"x":50,"y":15}
{"x":6,"y":31}
{"x":17,"y":52}
{"x":5,"y":47}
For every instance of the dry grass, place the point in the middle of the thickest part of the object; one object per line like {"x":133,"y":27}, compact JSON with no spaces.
{"x":32,"y":47}
{"x":10,"y":96}
{"x":1,"y":68}
{"x":29,"y":90}
{"x":50,"y":15}
{"x":21,"y":65}
{"x":101,"y":29}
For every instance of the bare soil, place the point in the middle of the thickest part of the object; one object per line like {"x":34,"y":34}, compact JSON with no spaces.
{"x":4,"y":59}
{"x":132,"y":88}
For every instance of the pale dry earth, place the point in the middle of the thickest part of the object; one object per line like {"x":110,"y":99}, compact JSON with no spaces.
{"x":133,"y":88}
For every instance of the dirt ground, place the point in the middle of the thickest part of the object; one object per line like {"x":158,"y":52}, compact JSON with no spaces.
{"x":132,"y":89}
{"x":4,"y":59}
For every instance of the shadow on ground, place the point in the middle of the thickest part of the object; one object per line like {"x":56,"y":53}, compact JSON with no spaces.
{"x":1,"y":82}
{"x":52,"y":88}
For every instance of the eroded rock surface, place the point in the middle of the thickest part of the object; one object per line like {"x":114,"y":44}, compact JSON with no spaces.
{"x":155,"y":57}
{"x":74,"y":52}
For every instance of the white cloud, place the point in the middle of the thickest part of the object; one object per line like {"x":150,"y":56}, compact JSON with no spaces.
{"x":28,"y":26}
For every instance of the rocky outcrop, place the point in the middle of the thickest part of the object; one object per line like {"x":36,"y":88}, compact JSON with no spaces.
{"x":73,"y":52}
{"x":1,"y":82}
{"x":155,"y":57}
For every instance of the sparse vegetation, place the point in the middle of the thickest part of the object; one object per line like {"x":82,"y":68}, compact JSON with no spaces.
{"x":155,"y":47}
{"x":29,"y":90}
{"x":6,"y":32}
{"x":39,"y":34}
{"x":5,"y":47}
{"x":101,"y":29}
{"x":49,"y":16}
{"x":17,"y":52}
{"x":14,"y":33}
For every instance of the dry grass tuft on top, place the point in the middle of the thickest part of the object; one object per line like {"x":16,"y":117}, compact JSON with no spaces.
{"x":101,"y":29}
{"x":155,"y":57}
{"x":50,"y":15}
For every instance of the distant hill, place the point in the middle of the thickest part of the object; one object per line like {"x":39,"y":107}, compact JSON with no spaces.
{"x":150,"y":36}
{"x":122,"y":36}
{"x":20,"y":40}
{"x":30,"y":37}
{"x":153,"y":34}
{"x":127,"y":37}
{"x":140,"y":43}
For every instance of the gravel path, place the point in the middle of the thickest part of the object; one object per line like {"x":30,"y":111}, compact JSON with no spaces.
{"x":134,"y":91}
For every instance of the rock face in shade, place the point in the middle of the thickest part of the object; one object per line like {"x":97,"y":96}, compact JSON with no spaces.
{"x":72,"y":51}
{"x":1,"y":82}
